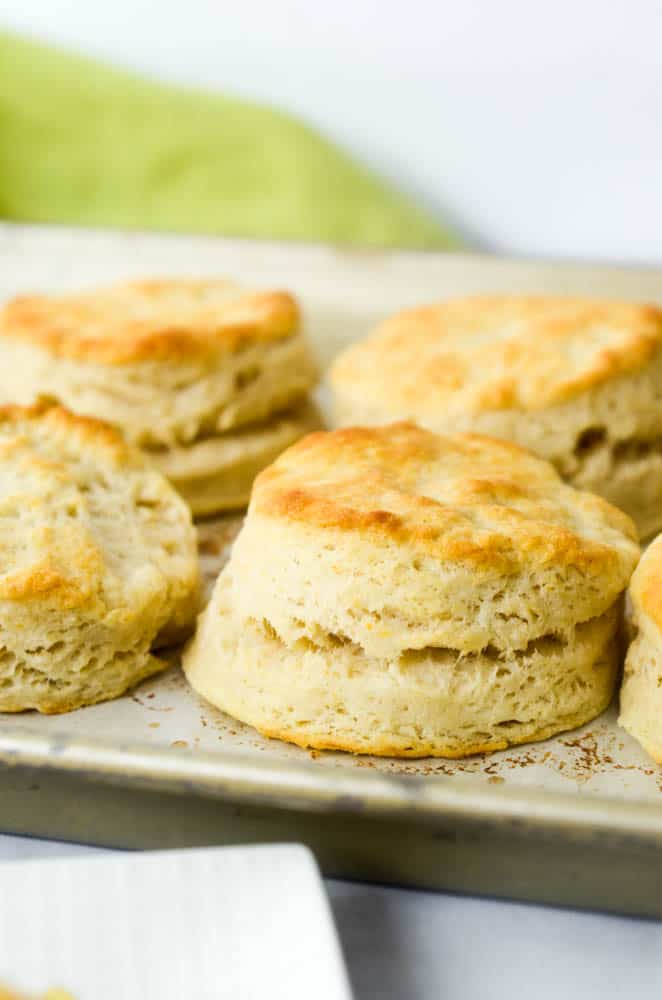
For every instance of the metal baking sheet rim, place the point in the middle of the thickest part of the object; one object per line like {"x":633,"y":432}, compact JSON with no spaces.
{"x":235,"y":777}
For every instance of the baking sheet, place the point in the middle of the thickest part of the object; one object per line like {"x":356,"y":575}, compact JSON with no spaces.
{"x":593,"y":782}
{"x":164,"y":714}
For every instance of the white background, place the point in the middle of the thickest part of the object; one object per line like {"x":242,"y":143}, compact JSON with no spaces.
{"x":535,"y":126}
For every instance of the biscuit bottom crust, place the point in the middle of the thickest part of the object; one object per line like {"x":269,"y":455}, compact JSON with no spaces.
{"x":641,"y":694}
{"x":216,"y":474}
{"x":431,"y":702}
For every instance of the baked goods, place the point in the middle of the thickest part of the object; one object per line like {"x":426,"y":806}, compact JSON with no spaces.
{"x":217,"y":473}
{"x":641,"y":691}
{"x":193,"y":372}
{"x":394,"y":591}
{"x":98,"y":563}
{"x":577,"y":381}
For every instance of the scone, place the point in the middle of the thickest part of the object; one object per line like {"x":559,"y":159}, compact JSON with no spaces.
{"x":398,"y":592}
{"x":579,"y":382}
{"x":99,"y":562}
{"x":208,"y":379}
{"x":217,"y":473}
{"x":641,"y":691}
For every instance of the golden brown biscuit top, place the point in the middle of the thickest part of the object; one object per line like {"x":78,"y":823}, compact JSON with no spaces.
{"x":496,"y":352}
{"x":460,"y":498}
{"x":646,"y":584}
{"x":149,"y":320}
{"x":84,"y":519}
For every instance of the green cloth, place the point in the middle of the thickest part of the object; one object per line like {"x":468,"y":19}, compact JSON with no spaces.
{"x":86,"y":144}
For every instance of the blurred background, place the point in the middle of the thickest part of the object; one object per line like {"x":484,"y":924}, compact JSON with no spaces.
{"x":527,"y":128}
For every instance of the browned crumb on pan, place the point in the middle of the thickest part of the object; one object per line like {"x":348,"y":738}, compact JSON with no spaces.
{"x":578,"y":757}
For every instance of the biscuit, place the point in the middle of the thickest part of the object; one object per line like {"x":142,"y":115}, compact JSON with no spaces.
{"x":579,"y":382}
{"x":171,"y":363}
{"x":641,"y":690}
{"x":216,"y":474}
{"x":394,"y":591}
{"x":99,"y":562}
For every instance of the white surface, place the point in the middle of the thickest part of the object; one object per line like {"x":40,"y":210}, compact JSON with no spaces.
{"x":240,"y":922}
{"x":536,"y":126}
{"x":402,"y":945}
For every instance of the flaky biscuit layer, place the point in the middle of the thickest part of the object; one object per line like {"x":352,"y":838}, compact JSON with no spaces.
{"x":98,"y":561}
{"x":434,"y":702}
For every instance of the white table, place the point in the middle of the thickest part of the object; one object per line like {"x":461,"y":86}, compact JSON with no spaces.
{"x":403,"y":945}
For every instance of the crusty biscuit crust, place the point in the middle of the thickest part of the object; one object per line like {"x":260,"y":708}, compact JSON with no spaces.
{"x":460,"y":498}
{"x":150,"y":321}
{"x":488,"y":353}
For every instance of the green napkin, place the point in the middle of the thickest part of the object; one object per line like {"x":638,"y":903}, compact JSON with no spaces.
{"x":83,"y":143}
